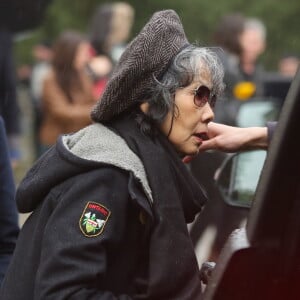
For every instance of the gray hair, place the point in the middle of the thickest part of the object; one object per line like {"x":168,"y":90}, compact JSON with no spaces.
{"x":257,"y":25}
{"x":187,"y":66}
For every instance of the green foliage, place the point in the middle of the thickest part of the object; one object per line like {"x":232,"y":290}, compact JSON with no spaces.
{"x":199,"y":18}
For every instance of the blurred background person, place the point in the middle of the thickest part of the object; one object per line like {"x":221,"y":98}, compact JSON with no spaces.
{"x":99,"y":29}
{"x":67,"y":96}
{"x":9,"y":228}
{"x":101,"y":64}
{"x":109,"y":30}
{"x":120,"y":28}
{"x":227,"y":37}
{"x":253,"y":44}
{"x":9,"y":107}
{"x":288,"y":65}
{"x":110,"y":27}
{"x":42,"y":55}
{"x":243,"y":41}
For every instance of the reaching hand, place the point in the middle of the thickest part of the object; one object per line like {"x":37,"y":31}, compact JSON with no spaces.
{"x":232,"y":139}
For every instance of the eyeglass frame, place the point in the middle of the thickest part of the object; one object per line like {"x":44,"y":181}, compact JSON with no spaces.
{"x":212,"y":98}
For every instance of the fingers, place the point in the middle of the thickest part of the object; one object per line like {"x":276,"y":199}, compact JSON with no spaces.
{"x":208,"y":145}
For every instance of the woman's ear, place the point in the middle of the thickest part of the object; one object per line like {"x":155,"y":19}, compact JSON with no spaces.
{"x":144,"y":107}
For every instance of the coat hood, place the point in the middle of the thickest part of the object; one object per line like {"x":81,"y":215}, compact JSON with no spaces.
{"x":87,"y":149}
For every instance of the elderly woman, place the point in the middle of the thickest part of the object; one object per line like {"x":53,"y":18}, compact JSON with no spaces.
{"x":110,"y":203}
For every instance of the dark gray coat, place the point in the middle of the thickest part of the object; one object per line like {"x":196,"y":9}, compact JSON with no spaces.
{"x":91,"y":229}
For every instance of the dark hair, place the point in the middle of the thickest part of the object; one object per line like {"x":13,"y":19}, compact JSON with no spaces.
{"x":227,"y":32}
{"x":100,"y":29}
{"x":64,"y":53}
{"x":187,"y":65}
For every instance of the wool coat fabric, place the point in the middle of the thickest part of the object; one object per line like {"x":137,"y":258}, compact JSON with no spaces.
{"x":110,"y":205}
{"x":92,"y":177}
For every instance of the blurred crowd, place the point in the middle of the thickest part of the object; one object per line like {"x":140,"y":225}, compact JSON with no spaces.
{"x":69,"y":75}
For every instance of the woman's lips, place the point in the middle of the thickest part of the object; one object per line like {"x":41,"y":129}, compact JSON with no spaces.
{"x":201,"y":136}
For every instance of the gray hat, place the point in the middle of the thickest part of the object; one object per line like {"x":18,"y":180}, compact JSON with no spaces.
{"x":145,"y":58}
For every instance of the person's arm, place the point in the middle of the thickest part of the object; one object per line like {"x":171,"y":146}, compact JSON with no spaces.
{"x":232,"y":139}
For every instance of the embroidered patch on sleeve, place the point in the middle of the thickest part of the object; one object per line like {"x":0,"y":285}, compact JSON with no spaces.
{"x":93,"y":219}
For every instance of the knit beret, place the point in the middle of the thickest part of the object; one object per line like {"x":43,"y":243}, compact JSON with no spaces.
{"x":147,"y":57}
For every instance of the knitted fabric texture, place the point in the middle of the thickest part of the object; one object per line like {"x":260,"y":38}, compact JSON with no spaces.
{"x":145,"y":58}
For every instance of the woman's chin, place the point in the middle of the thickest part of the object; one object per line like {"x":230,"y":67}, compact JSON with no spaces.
{"x":192,"y":152}
{"x":188,"y":151}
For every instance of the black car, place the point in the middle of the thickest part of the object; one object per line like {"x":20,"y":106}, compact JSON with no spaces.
{"x":262,"y":260}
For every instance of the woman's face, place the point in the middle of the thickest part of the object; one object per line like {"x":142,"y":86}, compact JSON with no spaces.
{"x":189,"y":126}
{"x":253,"y":45}
{"x":83,"y":56}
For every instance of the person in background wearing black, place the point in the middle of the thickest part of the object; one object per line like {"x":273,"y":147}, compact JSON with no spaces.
{"x":243,"y":41}
{"x":9,"y":108}
{"x":9,"y":227}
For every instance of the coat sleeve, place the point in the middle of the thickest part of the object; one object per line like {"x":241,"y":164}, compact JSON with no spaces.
{"x":73,"y":259}
{"x":271,"y":126}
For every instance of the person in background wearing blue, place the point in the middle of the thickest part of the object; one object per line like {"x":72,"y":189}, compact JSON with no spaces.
{"x":9,"y":227}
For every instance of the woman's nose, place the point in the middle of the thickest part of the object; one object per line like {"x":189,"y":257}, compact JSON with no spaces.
{"x":208,"y":114}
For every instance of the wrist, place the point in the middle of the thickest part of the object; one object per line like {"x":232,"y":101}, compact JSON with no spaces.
{"x":258,"y":138}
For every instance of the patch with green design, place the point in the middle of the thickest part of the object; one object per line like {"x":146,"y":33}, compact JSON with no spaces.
{"x":93,"y":219}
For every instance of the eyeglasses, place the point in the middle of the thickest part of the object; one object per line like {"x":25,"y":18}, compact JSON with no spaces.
{"x":203,"y":95}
